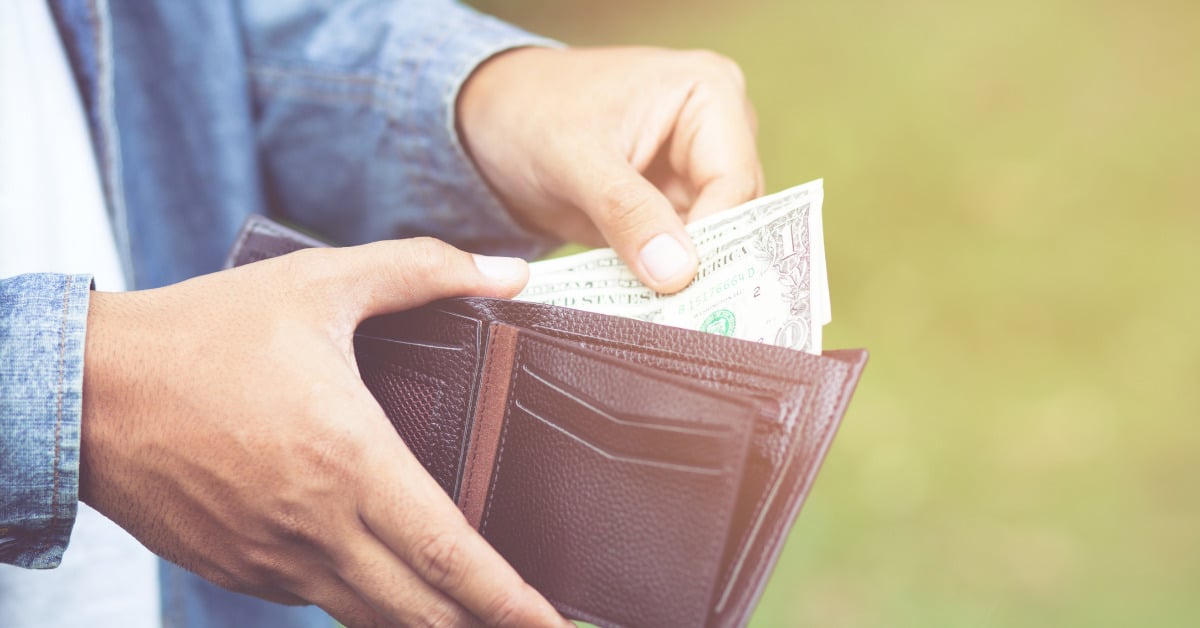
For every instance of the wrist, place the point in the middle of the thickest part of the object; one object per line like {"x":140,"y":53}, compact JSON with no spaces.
{"x":101,"y":399}
{"x":490,"y":82}
{"x":494,"y":116}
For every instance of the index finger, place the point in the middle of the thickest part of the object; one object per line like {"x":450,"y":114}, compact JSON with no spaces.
{"x":721,"y":160}
{"x":411,"y":514}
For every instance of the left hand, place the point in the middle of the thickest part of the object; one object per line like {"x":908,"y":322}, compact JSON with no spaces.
{"x":623,"y":144}
{"x":226,"y":426}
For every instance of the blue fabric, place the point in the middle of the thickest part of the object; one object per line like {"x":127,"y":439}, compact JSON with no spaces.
{"x":189,"y":601}
{"x":42,"y":323}
{"x":335,"y":115}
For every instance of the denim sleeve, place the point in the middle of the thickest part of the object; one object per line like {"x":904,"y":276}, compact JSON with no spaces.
{"x":355,"y":109}
{"x":42,"y":323}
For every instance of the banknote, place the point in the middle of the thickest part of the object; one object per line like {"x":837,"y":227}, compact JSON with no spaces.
{"x":762,"y":276}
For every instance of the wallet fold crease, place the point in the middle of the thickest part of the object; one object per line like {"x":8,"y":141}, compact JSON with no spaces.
{"x":484,"y":440}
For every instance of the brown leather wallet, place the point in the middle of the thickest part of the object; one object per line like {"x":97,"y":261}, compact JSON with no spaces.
{"x":635,"y":474}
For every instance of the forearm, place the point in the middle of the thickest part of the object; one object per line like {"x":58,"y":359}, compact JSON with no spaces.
{"x":43,"y":320}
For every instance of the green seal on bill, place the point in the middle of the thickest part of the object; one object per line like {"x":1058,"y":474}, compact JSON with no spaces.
{"x":719,"y":322}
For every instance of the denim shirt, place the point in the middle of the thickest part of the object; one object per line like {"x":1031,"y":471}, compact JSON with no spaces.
{"x":335,"y":115}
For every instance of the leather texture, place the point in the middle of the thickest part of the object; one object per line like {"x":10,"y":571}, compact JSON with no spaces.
{"x":635,"y":474}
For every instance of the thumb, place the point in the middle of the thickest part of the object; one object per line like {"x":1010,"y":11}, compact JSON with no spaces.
{"x":638,"y":222}
{"x":395,"y":275}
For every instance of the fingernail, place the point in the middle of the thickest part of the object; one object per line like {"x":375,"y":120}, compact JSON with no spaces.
{"x":500,"y":268}
{"x":664,"y":257}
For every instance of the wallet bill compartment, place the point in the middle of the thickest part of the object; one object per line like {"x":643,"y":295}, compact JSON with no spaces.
{"x":788,"y":447}
{"x":810,"y":392}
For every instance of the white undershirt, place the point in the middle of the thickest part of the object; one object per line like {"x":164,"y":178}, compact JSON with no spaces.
{"x":53,"y":219}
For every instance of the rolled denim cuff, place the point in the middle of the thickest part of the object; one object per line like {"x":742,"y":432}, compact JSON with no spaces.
{"x":43,"y":320}
{"x":449,"y":184}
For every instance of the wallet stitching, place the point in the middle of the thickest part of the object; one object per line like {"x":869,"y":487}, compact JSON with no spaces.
{"x":628,"y":346}
{"x":655,"y":424}
{"x":605,"y":451}
{"x":469,"y":487}
{"x":627,"y":350}
{"x":240,"y":243}
{"x":262,"y":227}
{"x":746,"y":367}
{"x":518,"y":355}
{"x":487,"y":510}
{"x":761,"y":502}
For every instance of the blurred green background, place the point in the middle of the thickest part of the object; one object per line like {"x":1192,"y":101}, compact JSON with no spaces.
{"x":1012,"y":218}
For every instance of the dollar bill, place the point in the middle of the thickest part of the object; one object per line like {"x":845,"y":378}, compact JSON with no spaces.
{"x":762,"y":276}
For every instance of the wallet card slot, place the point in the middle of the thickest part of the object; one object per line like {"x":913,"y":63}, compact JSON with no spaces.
{"x":607,"y":539}
{"x":627,"y":438}
{"x":774,"y":441}
{"x":632,"y":420}
{"x":620,"y":389}
{"x":410,"y":343}
{"x":660,"y":457}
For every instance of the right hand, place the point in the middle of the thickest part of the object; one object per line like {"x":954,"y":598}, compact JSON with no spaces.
{"x":226,"y":427}
{"x":619,"y":145}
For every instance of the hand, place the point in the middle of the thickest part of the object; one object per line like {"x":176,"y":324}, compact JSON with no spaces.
{"x":226,"y":427}
{"x":623,"y":143}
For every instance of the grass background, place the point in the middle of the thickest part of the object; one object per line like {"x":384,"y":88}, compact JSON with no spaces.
{"x":1013,"y":224}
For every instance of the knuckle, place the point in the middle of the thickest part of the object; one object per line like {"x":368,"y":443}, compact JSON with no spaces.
{"x":625,"y":206}
{"x":437,"y":616}
{"x":439,"y":559}
{"x":330,"y":450}
{"x":743,"y":185}
{"x":429,"y":252}
{"x":720,"y":65}
{"x":309,"y":270}
{"x":335,"y":455}
{"x":266,"y":565}
{"x":307,"y":262}
{"x":426,"y":260}
{"x":294,"y":523}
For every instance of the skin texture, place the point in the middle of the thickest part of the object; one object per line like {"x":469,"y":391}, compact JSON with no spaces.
{"x":226,"y":427}
{"x":225,"y":424}
{"x":614,"y":145}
